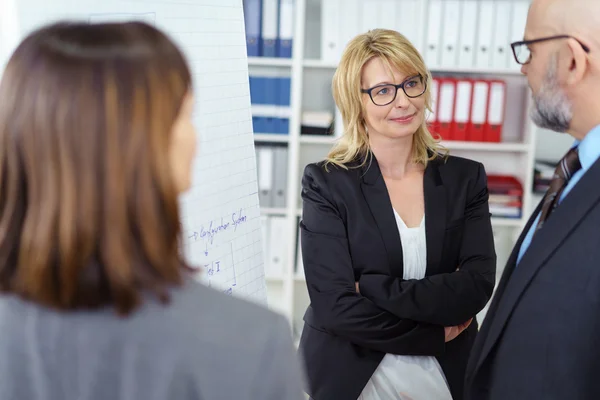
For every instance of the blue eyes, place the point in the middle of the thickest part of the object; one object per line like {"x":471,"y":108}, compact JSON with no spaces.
{"x":386,"y":90}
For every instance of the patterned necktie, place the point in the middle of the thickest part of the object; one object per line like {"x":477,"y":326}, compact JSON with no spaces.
{"x":563,"y":173}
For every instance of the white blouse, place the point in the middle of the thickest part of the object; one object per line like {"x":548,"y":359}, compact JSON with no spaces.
{"x":409,"y":377}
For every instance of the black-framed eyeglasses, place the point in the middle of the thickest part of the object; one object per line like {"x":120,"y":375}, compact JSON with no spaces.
{"x":523,"y":54}
{"x":382,"y":95}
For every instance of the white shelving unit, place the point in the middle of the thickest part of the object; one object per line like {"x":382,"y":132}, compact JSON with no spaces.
{"x":311,"y":91}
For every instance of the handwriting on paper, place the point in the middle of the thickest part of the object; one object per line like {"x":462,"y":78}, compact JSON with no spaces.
{"x":208,"y":234}
{"x":222,"y":272}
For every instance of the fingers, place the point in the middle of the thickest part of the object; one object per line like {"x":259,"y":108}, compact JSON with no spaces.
{"x":466,"y":324}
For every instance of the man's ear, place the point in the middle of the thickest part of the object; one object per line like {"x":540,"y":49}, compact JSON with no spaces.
{"x":577,"y":60}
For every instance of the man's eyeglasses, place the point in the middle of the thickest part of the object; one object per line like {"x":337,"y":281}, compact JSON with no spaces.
{"x":523,"y":54}
{"x":382,"y":95}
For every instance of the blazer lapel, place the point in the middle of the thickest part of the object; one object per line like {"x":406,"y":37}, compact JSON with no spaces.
{"x":556,"y":229}
{"x":378,"y":199}
{"x":490,"y":315}
{"x":435,"y":212}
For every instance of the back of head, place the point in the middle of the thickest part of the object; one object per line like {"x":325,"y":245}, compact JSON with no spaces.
{"x":397,"y":52}
{"x":88,"y":207}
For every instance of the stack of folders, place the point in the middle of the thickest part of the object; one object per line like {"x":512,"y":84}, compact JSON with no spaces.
{"x":506,"y":196}
{"x":449,"y":33}
{"x":270,"y":98}
{"x":273,"y":229}
{"x":467,"y":109}
{"x":317,"y":123}
{"x":269,"y":27}
{"x":543,"y":174}
{"x":272,"y":162}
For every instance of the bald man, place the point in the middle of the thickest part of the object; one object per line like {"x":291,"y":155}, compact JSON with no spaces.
{"x":541,"y":336}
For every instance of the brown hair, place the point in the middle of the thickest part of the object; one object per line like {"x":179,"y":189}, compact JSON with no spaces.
{"x":88,"y":209}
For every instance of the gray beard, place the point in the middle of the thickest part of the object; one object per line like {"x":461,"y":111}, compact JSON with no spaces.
{"x":552,"y":109}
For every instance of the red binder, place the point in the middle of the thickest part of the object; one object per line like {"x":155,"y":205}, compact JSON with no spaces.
{"x":445,"y":113}
{"x":462,"y":109}
{"x":432,"y":122}
{"x":479,"y":111}
{"x":496,"y":111}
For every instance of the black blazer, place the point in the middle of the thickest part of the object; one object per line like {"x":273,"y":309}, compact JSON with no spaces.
{"x":349,"y":234}
{"x":540,"y":338}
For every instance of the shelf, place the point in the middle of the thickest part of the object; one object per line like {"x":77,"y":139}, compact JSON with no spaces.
{"x":270,"y":61}
{"x":486,"y":146}
{"x":435,"y":70}
{"x":272,"y":211}
{"x":511,"y":222}
{"x":477,"y":71}
{"x":271,"y":137}
{"x":450,"y":144}
{"x":317,"y":139}
{"x":274,"y":279}
{"x":310,"y":90}
{"x":319,"y":64}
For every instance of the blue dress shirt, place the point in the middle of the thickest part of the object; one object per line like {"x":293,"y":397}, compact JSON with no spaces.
{"x":589,"y":152}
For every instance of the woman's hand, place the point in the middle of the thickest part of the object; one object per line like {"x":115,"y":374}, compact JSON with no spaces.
{"x":356,"y":285}
{"x":453,"y":331}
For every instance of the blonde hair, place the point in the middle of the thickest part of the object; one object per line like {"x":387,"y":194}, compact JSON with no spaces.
{"x":394,"y":50}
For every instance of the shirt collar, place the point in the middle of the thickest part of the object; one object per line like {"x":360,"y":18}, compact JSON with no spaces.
{"x":589,"y":148}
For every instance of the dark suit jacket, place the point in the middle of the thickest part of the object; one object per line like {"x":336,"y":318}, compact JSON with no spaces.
{"x":349,"y":233}
{"x":541,"y":338}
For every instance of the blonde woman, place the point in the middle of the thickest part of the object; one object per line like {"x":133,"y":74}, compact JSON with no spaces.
{"x":396,"y":239}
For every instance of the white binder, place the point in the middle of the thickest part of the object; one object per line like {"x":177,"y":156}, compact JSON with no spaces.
{"x":350,"y":23}
{"x":434,"y":32}
{"x":270,"y":18}
{"x":520,"y":9}
{"x":485,"y":34}
{"x":280,"y":163}
{"x":468,"y":33}
{"x":264,"y":230}
{"x":299,"y":263}
{"x":410,"y":17}
{"x":369,"y":15}
{"x":277,"y":255}
{"x":450,"y":36}
{"x":338,"y":124}
{"x":387,"y":14}
{"x":265,"y":175}
{"x":501,"y":45}
{"x":286,"y":24}
{"x":330,"y":21}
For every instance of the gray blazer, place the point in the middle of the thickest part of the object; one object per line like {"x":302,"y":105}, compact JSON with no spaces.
{"x":204,"y":345}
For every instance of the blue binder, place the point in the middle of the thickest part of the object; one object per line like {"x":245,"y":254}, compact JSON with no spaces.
{"x":252,"y":20}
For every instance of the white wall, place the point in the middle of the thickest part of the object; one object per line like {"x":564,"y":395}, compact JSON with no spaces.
{"x":9,"y":30}
{"x":551,"y":146}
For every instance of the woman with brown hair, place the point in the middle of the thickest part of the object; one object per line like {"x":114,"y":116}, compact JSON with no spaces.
{"x":96,"y":144}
